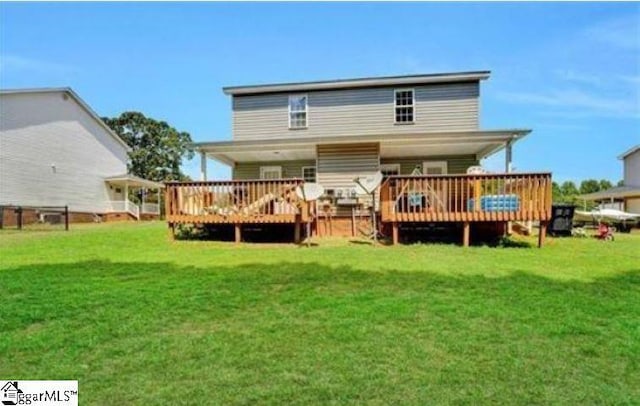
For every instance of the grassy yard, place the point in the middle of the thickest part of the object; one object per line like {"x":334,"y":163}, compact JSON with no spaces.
{"x":138,"y":319}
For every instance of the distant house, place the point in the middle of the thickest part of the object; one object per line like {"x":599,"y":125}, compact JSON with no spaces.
{"x":422,"y":132}
{"x":56,"y":151}
{"x":627,"y":196}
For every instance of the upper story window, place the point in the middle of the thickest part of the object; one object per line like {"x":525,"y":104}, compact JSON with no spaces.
{"x":298,"y":111}
{"x":404,"y":105}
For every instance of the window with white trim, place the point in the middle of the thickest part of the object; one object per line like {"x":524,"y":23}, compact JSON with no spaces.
{"x":298,"y":111}
{"x":270,"y":172}
{"x":390,"y":169}
{"x":434,"y":167}
{"x":404,"y":102}
{"x":309,"y":173}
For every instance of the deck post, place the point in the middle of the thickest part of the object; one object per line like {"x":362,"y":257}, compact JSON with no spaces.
{"x":508,"y":157}
{"x":542,"y":233}
{"x":238,"y":232}
{"x":66,"y":218}
{"x":394,"y":233}
{"x":296,"y":231}
{"x":465,"y":233}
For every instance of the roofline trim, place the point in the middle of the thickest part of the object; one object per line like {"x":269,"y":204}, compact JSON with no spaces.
{"x":403,"y":80}
{"x":629,"y":152}
{"x":515,"y":134}
{"x":78,"y":100}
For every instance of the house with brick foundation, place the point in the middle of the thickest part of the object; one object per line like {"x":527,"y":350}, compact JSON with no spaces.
{"x":422,"y":132}
{"x":56,"y":152}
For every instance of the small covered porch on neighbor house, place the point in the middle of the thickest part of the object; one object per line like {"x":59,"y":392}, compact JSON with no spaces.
{"x":425,"y":181}
{"x":132,"y":197}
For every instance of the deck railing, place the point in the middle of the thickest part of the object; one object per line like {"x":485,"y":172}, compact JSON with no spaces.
{"x":125,"y":206}
{"x":486,"y":197}
{"x":150,"y":208}
{"x":235,"y":201}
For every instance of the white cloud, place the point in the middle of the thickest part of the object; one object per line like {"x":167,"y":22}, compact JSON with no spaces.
{"x":578,"y":101}
{"x":623,"y":32}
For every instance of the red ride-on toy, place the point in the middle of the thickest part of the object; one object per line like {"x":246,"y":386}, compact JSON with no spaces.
{"x":605,"y":232}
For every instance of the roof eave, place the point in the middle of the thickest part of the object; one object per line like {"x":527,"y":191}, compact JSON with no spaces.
{"x":358,"y":83}
{"x":78,"y":100}
{"x":628,"y":152}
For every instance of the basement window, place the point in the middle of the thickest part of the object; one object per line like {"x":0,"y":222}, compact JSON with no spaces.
{"x":404,"y":103}
{"x":298,"y":111}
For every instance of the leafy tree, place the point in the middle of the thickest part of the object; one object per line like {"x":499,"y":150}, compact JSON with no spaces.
{"x":569,"y":189}
{"x":605,"y":184}
{"x":620,"y":182}
{"x":157,"y":148}
{"x":589,"y":186}
{"x":556,"y":193}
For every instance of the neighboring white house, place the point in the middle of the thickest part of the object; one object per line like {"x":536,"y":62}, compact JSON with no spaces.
{"x":627,"y":196}
{"x":56,"y":151}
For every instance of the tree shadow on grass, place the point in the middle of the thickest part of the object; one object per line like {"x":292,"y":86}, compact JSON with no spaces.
{"x":260,"y":332}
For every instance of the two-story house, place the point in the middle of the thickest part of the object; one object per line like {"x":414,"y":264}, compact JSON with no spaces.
{"x":627,"y":196}
{"x":418,"y":130}
{"x":55,"y":151}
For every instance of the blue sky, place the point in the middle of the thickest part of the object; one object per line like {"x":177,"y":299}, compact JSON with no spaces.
{"x":569,"y":71}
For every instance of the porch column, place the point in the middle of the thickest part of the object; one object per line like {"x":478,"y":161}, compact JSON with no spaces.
{"x":508,"y":157}
{"x":159,"y":210}
{"x":126,"y":196}
{"x":203,"y":166}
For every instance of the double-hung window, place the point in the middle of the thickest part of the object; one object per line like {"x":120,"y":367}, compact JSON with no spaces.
{"x":298,"y":111}
{"x":404,"y":104}
{"x":309,"y":173}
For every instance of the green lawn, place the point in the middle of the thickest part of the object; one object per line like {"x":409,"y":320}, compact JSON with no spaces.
{"x":139,"y":319}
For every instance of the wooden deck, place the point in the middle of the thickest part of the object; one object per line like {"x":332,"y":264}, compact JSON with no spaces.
{"x":235,"y":202}
{"x":461,"y":199}
{"x":466,"y":199}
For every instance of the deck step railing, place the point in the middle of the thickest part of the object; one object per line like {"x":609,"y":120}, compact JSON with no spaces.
{"x":235,"y":201}
{"x":486,"y":197}
{"x":125,"y":206}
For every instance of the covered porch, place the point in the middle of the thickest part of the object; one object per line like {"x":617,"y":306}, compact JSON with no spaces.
{"x":290,"y":157}
{"x":430,"y":167}
{"x":122,"y":188}
{"x":624,"y":198}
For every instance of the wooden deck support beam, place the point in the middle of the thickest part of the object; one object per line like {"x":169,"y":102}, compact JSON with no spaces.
{"x":394,"y":233}
{"x":466,"y":228}
{"x":542,"y":233}
{"x":296,"y":231}
{"x":238,"y":232}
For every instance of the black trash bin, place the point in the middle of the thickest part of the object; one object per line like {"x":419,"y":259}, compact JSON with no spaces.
{"x":561,"y":219}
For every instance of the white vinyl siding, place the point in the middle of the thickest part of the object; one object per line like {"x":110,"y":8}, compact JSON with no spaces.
{"x":438,"y":107}
{"x":632,"y":169}
{"x":52,"y":152}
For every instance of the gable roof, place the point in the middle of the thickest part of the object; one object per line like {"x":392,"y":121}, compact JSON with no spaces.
{"x":630,"y":151}
{"x":405,"y":80}
{"x":77,"y":99}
